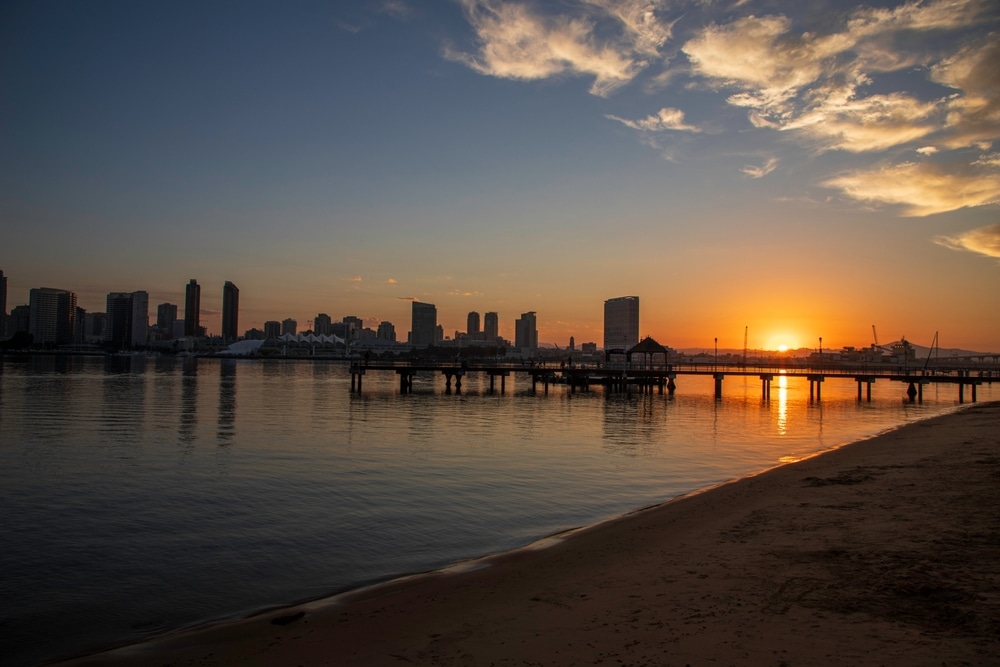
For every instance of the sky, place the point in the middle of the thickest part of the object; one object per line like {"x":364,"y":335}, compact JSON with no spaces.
{"x":781,"y":170}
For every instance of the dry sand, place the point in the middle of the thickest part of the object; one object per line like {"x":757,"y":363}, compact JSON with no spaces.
{"x":883,"y":552}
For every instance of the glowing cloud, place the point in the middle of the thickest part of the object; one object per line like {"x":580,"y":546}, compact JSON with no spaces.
{"x":517,"y":41}
{"x":922,"y":188}
{"x":761,"y":171}
{"x":985,"y":241}
{"x":392,"y":281}
{"x":665,"y":119}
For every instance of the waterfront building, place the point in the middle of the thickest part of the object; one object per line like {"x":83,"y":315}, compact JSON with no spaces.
{"x":272,"y":329}
{"x":352,"y":327}
{"x":118,"y":329}
{"x":254,"y":333}
{"x":230,"y":312}
{"x":423,"y":326}
{"x":526,"y":332}
{"x":491,"y":327}
{"x":3,"y":303}
{"x":288,"y":326}
{"x":166,"y":315}
{"x":386,"y":331}
{"x":94,"y":325}
{"x":19,"y":320}
{"x":192,"y":308}
{"x":323,"y":325}
{"x":621,"y":323}
{"x":52,"y":315}
{"x":140,"y":317}
{"x":472,"y":324}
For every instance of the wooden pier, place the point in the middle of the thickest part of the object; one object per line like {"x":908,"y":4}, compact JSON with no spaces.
{"x":646,"y":378}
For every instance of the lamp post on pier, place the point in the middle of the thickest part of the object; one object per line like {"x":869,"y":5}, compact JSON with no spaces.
{"x":716,"y":367}
{"x":821,"y":351}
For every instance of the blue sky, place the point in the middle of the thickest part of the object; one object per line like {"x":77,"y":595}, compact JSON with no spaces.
{"x":805,"y":169}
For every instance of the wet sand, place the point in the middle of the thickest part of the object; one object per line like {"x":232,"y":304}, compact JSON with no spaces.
{"x":883,"y":552}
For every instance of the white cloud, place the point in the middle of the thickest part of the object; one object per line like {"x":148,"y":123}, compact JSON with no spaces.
{"x":927,"y":150}
{"x":517,"y":41}
{"x":754,"y":171}
{"x":985,"y":241}
{"x":665,"y":119}
{"x":921,"y":188}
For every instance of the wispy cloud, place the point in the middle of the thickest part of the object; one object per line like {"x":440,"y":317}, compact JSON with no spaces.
{"x":665,"y":119}
{"x":519,"y":40}
{"x":984,"y":241}
{"x":921,"y":188}
{"x":355,"y":279}
{"x":407,"y":298}
{"x":397,"y":9}
{"x":392,"y":281}
{"x":760,"y":171}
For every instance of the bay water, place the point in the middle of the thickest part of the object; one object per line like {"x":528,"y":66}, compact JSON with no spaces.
{"x":140,"y":495}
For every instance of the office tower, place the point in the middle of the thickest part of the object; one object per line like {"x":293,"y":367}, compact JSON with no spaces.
{"x":166,"y":315}
{"x":386,"y":331}
{"x":192,"y":308}
{"x":289,"y":326}
{"x":272,"y":329}
{"x":323,"y":325}
{"x":94,"y":326}
{"x":621,"y":323}
{"x":423,"y":325}
{"x":472,"y":324}
{"x":526,"y":332}
{"x":352,"y":327}
{"x":3,"y":303}
{"x":52,"y":315}
{"x":230,"y":311}
{"x":491,"y":326}
{"x":140,"y":318}
{"x":118,"y":326}
{"x":19,"y":320}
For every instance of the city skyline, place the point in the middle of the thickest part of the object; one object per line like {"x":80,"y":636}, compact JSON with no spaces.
{"x":794,"y":170}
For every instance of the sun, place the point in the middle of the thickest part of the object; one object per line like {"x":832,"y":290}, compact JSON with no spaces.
{"x":782,"y":348}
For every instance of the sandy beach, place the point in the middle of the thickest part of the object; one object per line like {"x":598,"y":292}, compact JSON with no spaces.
{"x":882,"y":552}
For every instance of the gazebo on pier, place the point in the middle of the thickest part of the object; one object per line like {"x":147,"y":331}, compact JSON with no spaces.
{"x":651,"y":354}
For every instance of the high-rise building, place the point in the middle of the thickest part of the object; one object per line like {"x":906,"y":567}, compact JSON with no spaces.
{"x":94,"y":326}
{"x":118,"y":325}
{"x":386,"y":331}
{"x":472,"y":324}
{"x":423,"y":325}
{"x":166,"y":315}
{"x":621,"y":323}
{"x":52,"y":315}
{"x":3,"y":303}
{"x":289,"y":326}
{"x":272,"y":329}
{"x":352,"y":327}
{"x":323,"y":325}
{"x":192,"y":308}
{"x":526,"y":332}
{"x":140,"y":317}
{"x":19,"y":320}
{"x":230,"y":311}
{"x":491,"y":326}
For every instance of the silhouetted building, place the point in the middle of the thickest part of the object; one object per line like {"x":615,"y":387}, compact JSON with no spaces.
{"x":423,"y":326}
{"x":3,"y":303}
{"x":166,"y":315}
{"x":386,"y":331}
{"x":352,"y":327}
{"x":230,"y":312}
{"x":19,"y":320}
{"x":272,"y":329}
{"x":621,"y":323}
{"x":526,"y":332}
{"x":52,"y":316}
{"x":289,"y":326}
{"x":118,"y":326}
{"x":93,"y":327}
{"x":254,"y":334}
{"x":472,"y":324}
{"x":192,"y":308}
{"x":323,"y":325}
{"x":491,"y":327}
{"x":140,"y":318}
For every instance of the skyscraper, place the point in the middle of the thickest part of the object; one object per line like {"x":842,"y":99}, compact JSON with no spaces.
{"x":472,"y":324}
{"x":3,"y":303}
{"x":491,"y":326}
{"x":621,"y":323}
{"x":352,"y":327}
{"x":166,"y":315}
{"x":272,"y":329}
{"x":289,"y":326}
{"x":192,"y":308}
{"x":386,"y":331}
{"x":52,"y":315}
{"x":423,"y":325}
{"x":230,"y":311}
{"x":322,"y":325}
{"x":140,"y":317}
{"x":526,"y":332}
{"x":118,"y":325}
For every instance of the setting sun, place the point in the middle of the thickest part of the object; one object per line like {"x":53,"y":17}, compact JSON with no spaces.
{"x":782,"y":348}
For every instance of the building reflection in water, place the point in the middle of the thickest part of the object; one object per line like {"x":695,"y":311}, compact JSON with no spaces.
{"x":188,"y":422}
{"x":227,"y":402}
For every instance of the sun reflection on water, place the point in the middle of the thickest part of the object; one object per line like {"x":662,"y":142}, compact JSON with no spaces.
{"x":782,"y":403}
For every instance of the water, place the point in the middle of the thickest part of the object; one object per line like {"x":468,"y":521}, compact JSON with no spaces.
{"x":144,"y":495}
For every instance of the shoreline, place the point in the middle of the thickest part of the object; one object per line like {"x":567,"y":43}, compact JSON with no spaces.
{"x":691,"y":579}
